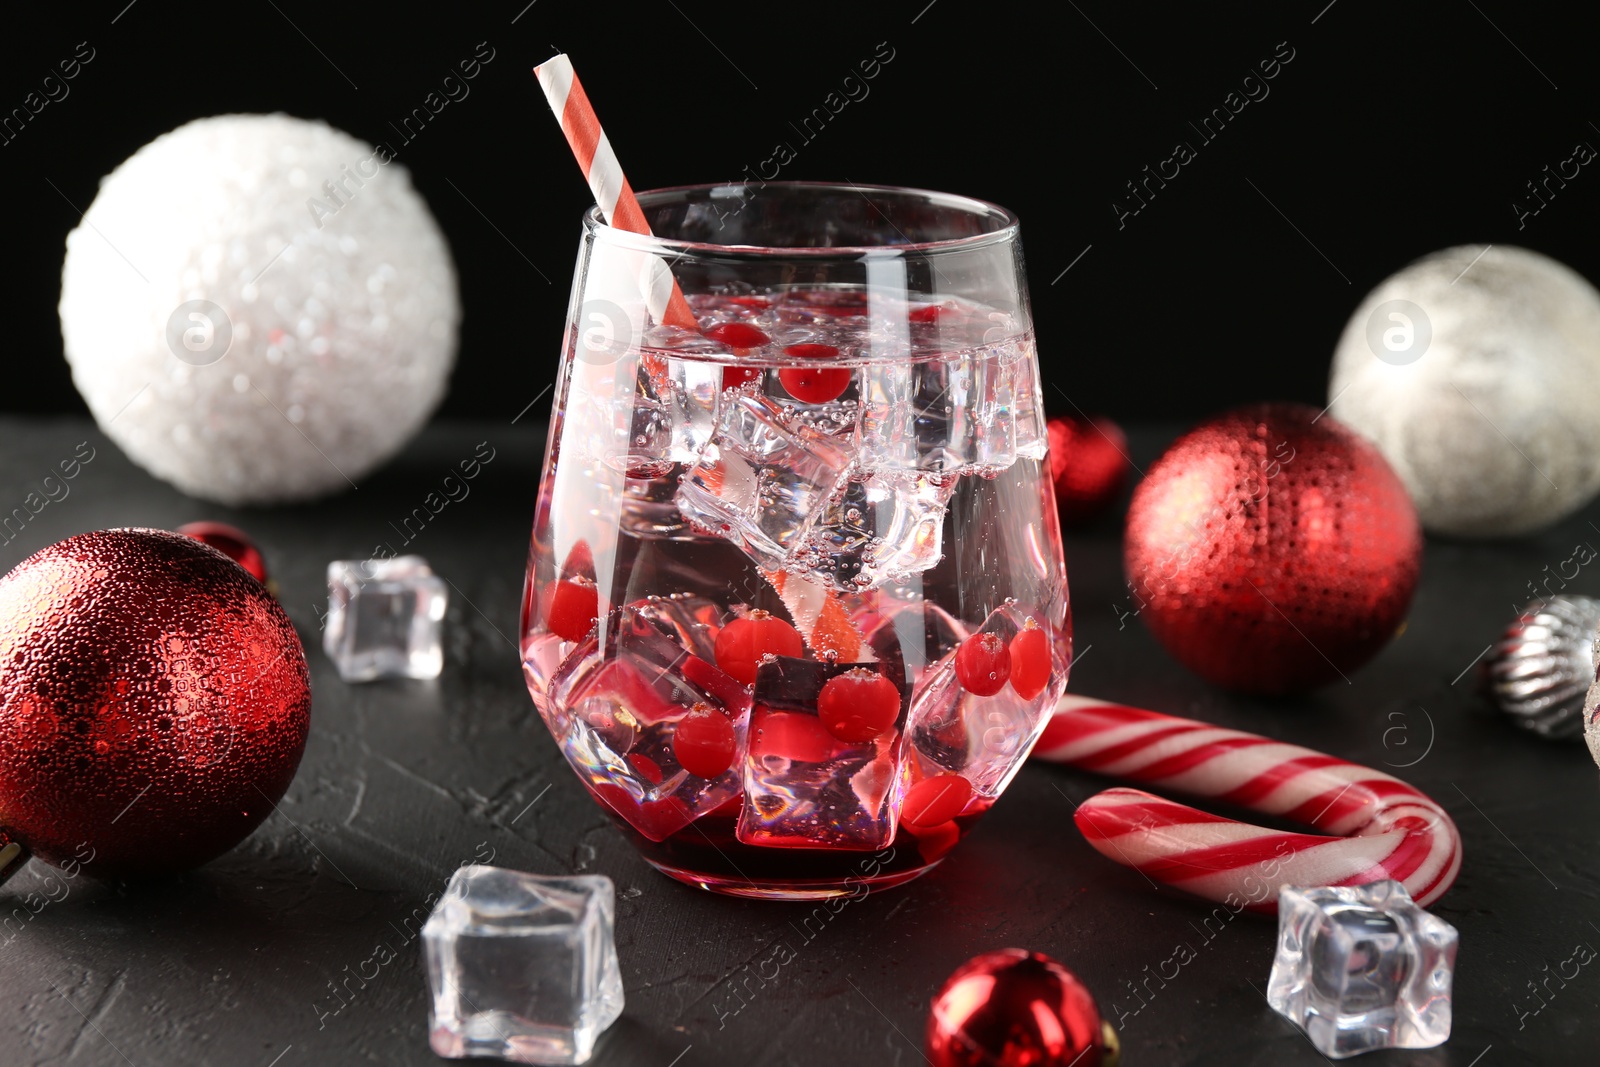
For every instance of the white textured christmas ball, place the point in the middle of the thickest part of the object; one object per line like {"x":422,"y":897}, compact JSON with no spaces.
{"x":1475,"y":371}
{"x":259,"y":309}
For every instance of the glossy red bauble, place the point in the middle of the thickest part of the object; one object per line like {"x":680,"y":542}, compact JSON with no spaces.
{"x":231,"y":542}
{"x":1013,"y":1008}
{"x":1088,"y":464}
{"x":1272,"y":550}
{"x":154,"y":702}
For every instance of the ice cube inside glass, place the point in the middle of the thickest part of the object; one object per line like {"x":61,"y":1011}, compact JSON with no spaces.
{"x":521,"y":967}
{"x":384,"y":618}
{"x":1362,"y":967}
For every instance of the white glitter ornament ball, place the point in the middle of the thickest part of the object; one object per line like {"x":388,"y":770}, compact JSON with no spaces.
{"x":259,"y":309}
{"x":1475,"y":372}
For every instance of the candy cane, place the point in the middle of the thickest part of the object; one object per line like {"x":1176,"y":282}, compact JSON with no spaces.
{"x":1385,"y":828}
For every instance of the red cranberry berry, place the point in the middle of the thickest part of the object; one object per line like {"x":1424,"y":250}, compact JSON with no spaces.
{"x":743,"y":642}
{"x":703,"y":742}
{"x":935,"y":800}
{"x":737,"y":335}
{"x":983,"y":664}
{"x":814,"y":385}
{"x":1030,"y":661}
{"x":858,"y":705}
{"x":571,"y":606}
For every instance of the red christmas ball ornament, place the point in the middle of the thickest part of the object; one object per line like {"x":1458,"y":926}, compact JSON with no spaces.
{"x":1088,"y":464}
{"x":1272,"y":549}
{"x":231,"y":542}
{"x":1014,"y":1008}
{"x":154,"y":704}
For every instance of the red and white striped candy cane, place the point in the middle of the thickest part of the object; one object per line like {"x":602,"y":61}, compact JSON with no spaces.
{"x":1386,"y":828}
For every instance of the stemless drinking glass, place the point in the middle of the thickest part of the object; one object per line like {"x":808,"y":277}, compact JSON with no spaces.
{"x":796,"y":608}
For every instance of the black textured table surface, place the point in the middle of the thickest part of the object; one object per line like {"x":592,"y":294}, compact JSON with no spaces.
{"x":269,"y":955}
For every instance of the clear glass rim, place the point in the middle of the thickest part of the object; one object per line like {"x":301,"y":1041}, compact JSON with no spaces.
{"x":1006,"y":230}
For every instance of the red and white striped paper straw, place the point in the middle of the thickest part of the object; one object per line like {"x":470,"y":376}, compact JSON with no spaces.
{"x":817,"y":609}
{"x":1386,"y":828}
{"x":618,"y":206}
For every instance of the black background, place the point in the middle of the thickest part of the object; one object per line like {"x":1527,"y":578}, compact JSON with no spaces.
{"x":1395,"y":130}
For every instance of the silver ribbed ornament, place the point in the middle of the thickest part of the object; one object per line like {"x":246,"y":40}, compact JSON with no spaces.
{"x":1591,"y":712}
{"x":1541,"y":669}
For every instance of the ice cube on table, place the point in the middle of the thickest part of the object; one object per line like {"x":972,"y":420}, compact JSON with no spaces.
{"x":983,"y":738}
{"x":623,"y":701}
{"x":384,"y":618}
{"x":805,"y":788}
{"x":1361,"y":968}
{"x":884,"y":525}
{"x":521,"y":967}
{"x":760,"y":482}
